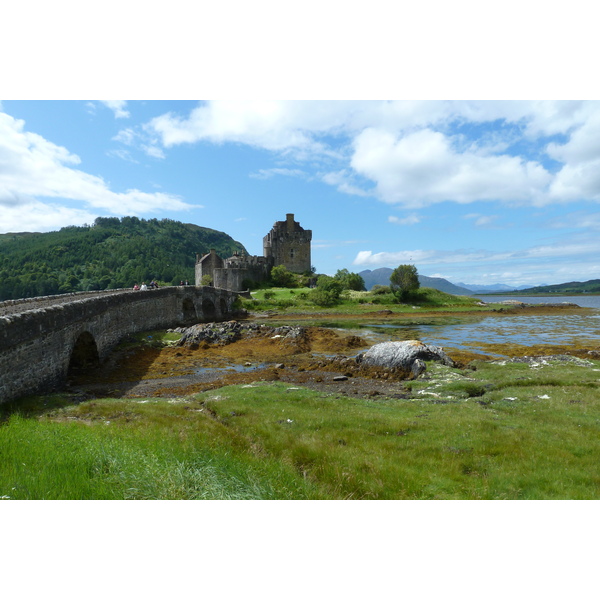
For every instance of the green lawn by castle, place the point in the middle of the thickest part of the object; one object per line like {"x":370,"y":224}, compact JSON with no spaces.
{"x":284,"y":300}
{"x":512,"y":431}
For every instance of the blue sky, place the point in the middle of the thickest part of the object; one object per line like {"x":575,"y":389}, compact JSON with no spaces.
{"x":473,"y":191}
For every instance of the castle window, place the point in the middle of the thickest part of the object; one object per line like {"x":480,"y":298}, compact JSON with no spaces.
{"x":292,"y":253}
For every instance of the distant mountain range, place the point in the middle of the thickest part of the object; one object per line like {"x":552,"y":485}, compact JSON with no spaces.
{"x":488,"y":289}
{"x":382,"y":277}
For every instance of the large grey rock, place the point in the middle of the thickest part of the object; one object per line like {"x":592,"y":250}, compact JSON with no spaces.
{"x":408,"y":355}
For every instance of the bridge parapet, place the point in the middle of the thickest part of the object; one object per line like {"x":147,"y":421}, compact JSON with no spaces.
{"x":37,"y":345}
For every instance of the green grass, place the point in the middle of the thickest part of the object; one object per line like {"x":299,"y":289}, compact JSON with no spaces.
{"x":511,"y":431}
{"x":284,"y":300}
{"x":112,"y":449}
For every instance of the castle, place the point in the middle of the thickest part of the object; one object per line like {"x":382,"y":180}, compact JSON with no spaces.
{"x":286,"y":244}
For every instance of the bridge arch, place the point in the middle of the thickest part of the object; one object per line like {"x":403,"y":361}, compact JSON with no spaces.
{"x":84,"y":353}
{"x":189,"y":310}
{"x":209,"y":311}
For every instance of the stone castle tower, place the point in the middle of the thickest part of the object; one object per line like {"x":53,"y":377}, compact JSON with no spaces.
{"x":289,"y":245}
{"x":286,"y":244}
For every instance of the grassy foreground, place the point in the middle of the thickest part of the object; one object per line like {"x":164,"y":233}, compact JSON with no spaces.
{"x":502,"y":431}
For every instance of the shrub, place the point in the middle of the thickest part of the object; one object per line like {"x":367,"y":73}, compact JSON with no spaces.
{"x":322,"y":297}
{"x":380,"y":289}
{"x":283,"y":303}
{"x":281,"y":277}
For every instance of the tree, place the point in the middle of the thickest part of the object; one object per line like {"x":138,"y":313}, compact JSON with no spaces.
{"x":350,"y":281}
{"x":281,"y":277}
{"x":404,"y":281}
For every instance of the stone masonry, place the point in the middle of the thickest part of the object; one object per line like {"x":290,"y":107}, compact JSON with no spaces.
{"x":39,"y":345}
{"x":287,"y":244}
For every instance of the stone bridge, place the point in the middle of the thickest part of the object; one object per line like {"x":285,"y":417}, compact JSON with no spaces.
{"x":42,"y":339}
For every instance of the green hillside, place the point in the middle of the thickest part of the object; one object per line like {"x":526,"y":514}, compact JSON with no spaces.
{"x":573,"y":287}
{"x":109,"y":254}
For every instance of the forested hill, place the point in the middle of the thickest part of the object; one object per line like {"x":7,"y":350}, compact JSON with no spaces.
{"x":111,"y":253}
{"x":573,"y":287}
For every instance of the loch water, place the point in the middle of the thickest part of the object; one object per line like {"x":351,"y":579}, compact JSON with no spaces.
{"x":584,"y":301}
{"x":478,"y":332}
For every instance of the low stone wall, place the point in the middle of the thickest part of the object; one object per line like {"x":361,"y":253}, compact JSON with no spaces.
{"x":36,"y":346}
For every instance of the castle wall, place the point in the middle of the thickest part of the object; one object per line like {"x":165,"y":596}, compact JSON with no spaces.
{"x":232,"y":278}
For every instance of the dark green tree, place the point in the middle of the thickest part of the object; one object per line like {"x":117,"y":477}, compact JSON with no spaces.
{"x":281,"y":277}
{"x":350,"y":281}
{"x":404,"y":281}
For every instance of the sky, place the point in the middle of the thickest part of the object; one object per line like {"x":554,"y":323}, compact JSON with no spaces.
{"x":478,"y":192}
{"x":380,"y":153}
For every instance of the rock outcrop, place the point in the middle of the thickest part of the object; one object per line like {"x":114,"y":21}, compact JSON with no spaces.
{"x":231,"y":331}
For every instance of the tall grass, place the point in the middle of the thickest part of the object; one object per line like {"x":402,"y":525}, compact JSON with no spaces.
{"x":160,"y":457}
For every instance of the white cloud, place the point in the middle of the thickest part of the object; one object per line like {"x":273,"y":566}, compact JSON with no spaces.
{"x":126,"y":136}
{"x":481,"y":220}
{"x":265,"y":124}
{"x":409,"y":220}
{"x":587,"y":249}
{"x":578,"y":220}
{"x":343,"y":181}
{"x":32,"y":215}
{"x":422,"y":168}
{"x":153,"y":151}
{"x":31,"y":168}
{"x":118,"y":107}
{"x":268,"y":173}
{"x":407,"y":152}
{"x":122,"y":154}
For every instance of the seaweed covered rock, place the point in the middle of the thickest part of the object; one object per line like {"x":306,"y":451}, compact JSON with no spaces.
{"x":408,"y":355}
{"x":231,"y":331}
